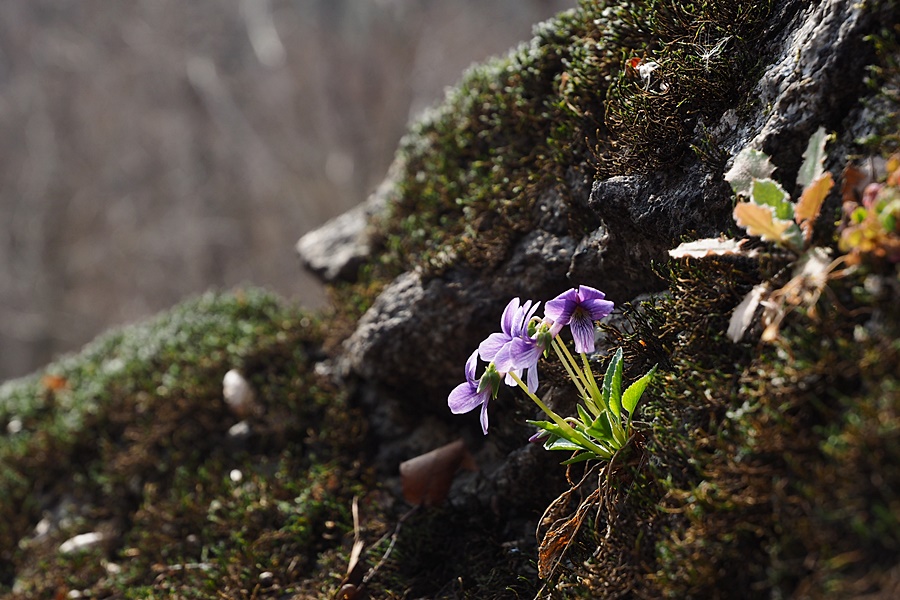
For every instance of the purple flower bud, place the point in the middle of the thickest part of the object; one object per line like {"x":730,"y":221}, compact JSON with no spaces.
{"x":539,"y":436}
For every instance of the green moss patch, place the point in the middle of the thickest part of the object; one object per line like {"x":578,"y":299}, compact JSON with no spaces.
{"x":563,"y":107}
{"x":766,"y":470}
{"x":131,"y":439}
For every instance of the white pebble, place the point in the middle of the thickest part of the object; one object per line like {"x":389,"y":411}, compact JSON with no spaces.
{"x":237,"y":393}
{"x":80,"y":542}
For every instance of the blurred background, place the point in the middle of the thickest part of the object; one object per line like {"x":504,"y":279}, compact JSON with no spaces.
{"x":155,"y":149}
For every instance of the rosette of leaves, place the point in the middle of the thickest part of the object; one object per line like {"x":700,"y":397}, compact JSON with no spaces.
{"x":605,"y":419}
{"x":768,"y":211}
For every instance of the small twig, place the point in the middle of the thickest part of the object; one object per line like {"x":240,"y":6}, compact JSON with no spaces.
{"x":387,"y":553}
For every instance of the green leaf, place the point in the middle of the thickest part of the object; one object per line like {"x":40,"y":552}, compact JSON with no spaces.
{"x":634,"y":392}
{"x":768,"y":192}
{"x":601,"y":428}
{"x":813,"y":159}
{"x":561,"y":444}
{"x":545,"y":425}
{"x":556,"y":433}
{"x":591,"y":403}
{"x":606,"y":388}
{"x":581,"y":457}
{"x":586,"y":418}
{"x":615,"y":386}
{"x":748,"y":165}
{"x":620,"y":436}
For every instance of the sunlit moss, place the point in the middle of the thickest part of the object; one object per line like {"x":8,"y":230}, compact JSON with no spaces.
{"x":766,"y":469}
{"x":470,"y":170}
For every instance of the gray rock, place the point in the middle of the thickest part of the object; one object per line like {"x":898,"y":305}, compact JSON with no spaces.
{"x":411,"y":346}
{"x":336,"y":250}
{"x":810,"y":83}
{"x":815,"y":79}
{"x":420,"y":330}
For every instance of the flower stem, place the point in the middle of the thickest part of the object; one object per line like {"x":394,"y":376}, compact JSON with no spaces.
{"x":592,"y":383}
{"x":571,"y":369}
{"x":576,"y":437}
{"x":585,"y":380}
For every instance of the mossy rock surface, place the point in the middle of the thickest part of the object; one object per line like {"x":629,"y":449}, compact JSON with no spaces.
{"x":131,"y":439}
{"x":757,"y":469}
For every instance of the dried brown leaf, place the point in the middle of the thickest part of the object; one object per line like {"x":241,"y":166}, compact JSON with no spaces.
{"x":712,"y":247}
{"x":760,"y":221}
{"x":560,"y":536}
{"x":807,"y":209}
{"x":854,"y":180}
{"x":426,"y":479}
{"x":743,"y":314}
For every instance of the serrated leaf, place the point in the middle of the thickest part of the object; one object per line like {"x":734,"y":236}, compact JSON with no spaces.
{"x":813,"y":159}
{"x":807,"y":209}
{"x":614,"y":376}
{"x":748,"y":165}
{"x":633,"y":394}
{"x":768,"y":192}
{"x":760,"y":221}
{"x":606,"y":386}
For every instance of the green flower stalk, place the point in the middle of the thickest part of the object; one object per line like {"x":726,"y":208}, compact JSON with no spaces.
{"x":604,"y":422}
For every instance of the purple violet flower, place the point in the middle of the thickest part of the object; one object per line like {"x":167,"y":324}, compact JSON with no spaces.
{"x":514,"y":350}
{"x":513,"y":323}
{"x":579,"y":308}
{"x":475,"y":392}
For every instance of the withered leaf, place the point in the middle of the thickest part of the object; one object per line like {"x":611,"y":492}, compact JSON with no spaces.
{"x":743,"y":314}
{"x":807,"y":209}
{"x":426,"y":479}
{"x":760,"y":221}
{"x":712,"y":247}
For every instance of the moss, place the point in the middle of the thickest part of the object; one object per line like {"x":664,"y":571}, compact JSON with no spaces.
{"x":431,"y":559}
{"x":558,"y":108}
{"x":884,"y":81}
{"x":755,"y":471}
{"x":702,"y":52}
{"x":130,"y":438}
